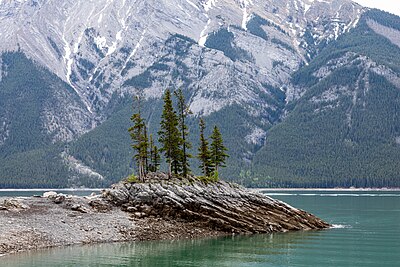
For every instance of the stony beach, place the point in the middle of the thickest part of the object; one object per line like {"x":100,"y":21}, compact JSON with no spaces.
{"x":158,"y":209}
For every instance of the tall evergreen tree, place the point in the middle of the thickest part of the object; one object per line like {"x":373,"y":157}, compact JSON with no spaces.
{"x":183,"y":112}
{"x":169,"y":135}
{"x":156,"y":159}
{"x":204,"y":153}
{"x":139,"y":141}
{"x":145,"y":149}
{"x":218,"y":150}
{"x":154,"y":156}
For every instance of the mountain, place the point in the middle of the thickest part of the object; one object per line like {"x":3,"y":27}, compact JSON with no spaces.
{"x":29,"y":98}
{"x":245,"y":65}
{"x":344,"y":129}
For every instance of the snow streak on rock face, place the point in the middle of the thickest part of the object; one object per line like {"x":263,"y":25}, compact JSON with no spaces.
{"x":236,"y":50}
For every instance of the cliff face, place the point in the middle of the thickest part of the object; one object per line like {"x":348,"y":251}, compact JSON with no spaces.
{"x":103,"y":47}
{"x":223,"y":206}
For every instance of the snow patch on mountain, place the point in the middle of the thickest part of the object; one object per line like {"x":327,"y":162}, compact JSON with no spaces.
{"x":204,"y":34}
{"x":246,"y":14}
{"x":193,"y":5}
{"x":209,"y":4}
{"x":135,"y":49}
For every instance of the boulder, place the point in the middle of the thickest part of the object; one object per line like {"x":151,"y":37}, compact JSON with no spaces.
{"x":100,"y":205}
{"x":49,"y":194}
{"x":58,"y":199}
{"x":13,"y":205}
{"x":78,"y":207}
{"x":118,"y":194}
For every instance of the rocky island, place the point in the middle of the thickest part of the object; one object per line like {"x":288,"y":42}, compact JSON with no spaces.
{"x":159,"y":208}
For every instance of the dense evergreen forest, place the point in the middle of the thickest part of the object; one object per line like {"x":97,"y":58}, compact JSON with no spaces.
{"x":351,"y":139}
{"x":26,"y":158}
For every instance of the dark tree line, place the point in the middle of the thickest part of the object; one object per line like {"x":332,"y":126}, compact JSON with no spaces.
{"x":174,"y":144}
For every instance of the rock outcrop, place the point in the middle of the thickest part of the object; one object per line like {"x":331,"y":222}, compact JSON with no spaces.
{"x":157,"y":209}
{"x":224,"y":206}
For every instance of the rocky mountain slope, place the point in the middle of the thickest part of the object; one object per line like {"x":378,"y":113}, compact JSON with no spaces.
{"x":234,"y":60}
{"x":97,"y":46}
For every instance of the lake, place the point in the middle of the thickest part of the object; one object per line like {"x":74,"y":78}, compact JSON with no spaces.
{"x":366,"y":233}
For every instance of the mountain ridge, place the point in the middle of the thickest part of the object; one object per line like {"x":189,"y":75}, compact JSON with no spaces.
{"x":240,"y":64}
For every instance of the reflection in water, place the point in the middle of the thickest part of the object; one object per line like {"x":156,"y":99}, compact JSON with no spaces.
{"x":226,"y":251}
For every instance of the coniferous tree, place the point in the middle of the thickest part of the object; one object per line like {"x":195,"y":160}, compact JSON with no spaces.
{"x":169,"y":136}
{"x":139,"y":141}
{"x":145,"y":149}
{"x":150,"y":156}
{"x":154,"y":156}
{"x":183,"y":112}
{"x":218,"y":150}
{"x":156,"y":159}
{"x":204,"y":152}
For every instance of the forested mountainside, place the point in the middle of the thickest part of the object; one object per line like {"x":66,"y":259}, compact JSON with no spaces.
{"x":304,"y":92}
{"x":345,"y":129}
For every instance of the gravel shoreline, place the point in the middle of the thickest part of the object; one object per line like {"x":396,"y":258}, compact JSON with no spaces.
{"x":37,"y":223}
{"x":159,"y":209}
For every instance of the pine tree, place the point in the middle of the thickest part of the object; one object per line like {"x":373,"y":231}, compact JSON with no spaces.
{"x":154,"y":156}
{"x":204,"y":153}
{"x":183,"y":112}
{"x":145,"y":149}
{"x":169,"y":136}
{"x":218,"y":150}
{"x":150,"y":156}
{"x":139,"y":141}
{"x":156,"y":159}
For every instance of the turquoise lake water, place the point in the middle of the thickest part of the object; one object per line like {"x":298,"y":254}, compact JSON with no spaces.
{"x":367,"y":233}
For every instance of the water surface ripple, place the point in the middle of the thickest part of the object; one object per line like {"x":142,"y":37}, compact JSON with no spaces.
{"x":366,"y":233}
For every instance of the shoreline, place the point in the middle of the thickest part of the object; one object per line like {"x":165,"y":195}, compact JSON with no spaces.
{"x":327,"y":189}
{"x":51,"y":189}
{"x":249,"y":188}
{"x":36,"y":223}
{"x":159,"y":209}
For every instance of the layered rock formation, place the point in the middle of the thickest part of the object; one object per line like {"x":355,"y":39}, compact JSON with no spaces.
{"x":223,"y":206}
{"x":154,"y":210}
